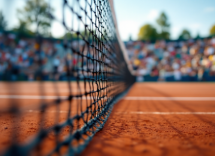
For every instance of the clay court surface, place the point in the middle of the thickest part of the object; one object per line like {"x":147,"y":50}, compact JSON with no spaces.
{"x":152,"y":119}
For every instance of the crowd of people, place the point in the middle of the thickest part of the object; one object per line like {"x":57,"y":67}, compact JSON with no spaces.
{"x":47,"y":59}
{"x":190,"y":60}
{"x":20,"y":58}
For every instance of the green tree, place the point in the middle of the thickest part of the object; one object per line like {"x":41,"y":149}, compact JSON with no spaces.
{"x":22,"y":30}
{"x":147,"y":32}
{"x":130,"y":38}
{"x":198,"y":36}
{"x":185,"y":34}
{"x":164,"y":35}
{"x":3,"y":23}
{"x":74,"y":36}
{"x":164,"y":26}
{"x":36,"y":13}
{"x":212,"y":30}
{"x":69,"y":36}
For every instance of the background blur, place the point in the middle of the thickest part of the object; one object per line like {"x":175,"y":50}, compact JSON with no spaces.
{"x":165,"y":40}
{"x":196,"y":16}
{"x":169,"y":40}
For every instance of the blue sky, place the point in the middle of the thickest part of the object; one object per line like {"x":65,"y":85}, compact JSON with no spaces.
{"x":195,"y":15}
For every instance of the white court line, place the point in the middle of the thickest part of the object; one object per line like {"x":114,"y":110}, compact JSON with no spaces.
{"x":35,"y":97}
{"x":38,"y":91}
{"x":30,"y":97}
{"x":143,"y":113}
{"x":37,"y":111}
{"x":171,"y":98}
{"x":125,"y":98}
{"x":169,"y":113}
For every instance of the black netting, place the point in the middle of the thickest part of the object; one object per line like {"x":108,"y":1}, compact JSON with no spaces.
{"x":90,"y":61}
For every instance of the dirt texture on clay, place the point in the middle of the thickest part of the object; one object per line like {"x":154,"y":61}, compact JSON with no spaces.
{"x":129,"y":131}
{"x":132,"y":128}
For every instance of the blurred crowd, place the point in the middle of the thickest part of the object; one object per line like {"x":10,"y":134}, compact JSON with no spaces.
{"x":190,"y":60}
{"x":47,"y":59}
{"x":21,"y":58}
{"x":29,"y":59}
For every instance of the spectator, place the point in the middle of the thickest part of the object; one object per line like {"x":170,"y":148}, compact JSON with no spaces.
{"x":175,"y":60}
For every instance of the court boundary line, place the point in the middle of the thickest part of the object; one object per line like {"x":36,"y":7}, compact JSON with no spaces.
{"x":171,"y":98}
{"x":125,"y":98}
{"x":139,"y":112}
{"x":32,"y":97}
{"x":168,"y":113}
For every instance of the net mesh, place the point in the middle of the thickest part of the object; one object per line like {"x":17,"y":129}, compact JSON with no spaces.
{"x":95,"y":75}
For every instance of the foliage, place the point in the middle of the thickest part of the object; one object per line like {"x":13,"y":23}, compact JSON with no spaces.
{"x":69,"y":36}
{"x":164,"y":35}
{"x":22,"y":30}
{"x":130,"y":38}
{"x":3,"y":23}
{"x":36,"y":13}
{"x":212,"y":30}
{"x":164,"y":26}
{"x":185,"y":34}
{"x":83,"y":34}
{"x":147,"y":32}
{"x":198,"y":36}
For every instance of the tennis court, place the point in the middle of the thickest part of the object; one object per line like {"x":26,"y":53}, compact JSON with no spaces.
{"x":70,"y":86}
{"x":25,"y":125}
{"x":160,"y":119}
{"x":152,"y":119}
{"x":76,"y":78}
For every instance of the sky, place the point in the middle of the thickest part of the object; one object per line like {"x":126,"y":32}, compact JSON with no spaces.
{"x":197,"y":16}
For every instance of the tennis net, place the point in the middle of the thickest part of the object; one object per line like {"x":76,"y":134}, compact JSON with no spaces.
{"x":89,"y":62}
